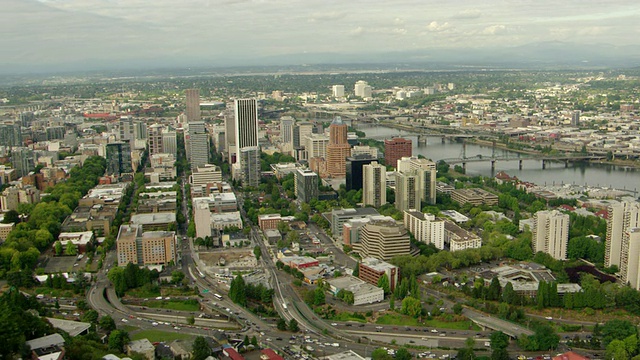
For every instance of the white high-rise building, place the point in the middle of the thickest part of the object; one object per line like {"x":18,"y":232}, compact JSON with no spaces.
{"x":126,"y":128}
{"x":169,"y":142}
{"x":246,"y":136}
{"x":362,"y":89}
{"x":426,"y":170}
{"x":632,"y":273}
{"x":374,"y":184}
{"x":425,"y":228}
{"x":407,"y":191}
{"x":364,"y":149}
{"x":315,"y":145}
{"x":551,"y":233}
{"x":622,"y":217}
{"x":338,"y":91}
{"x":155,"y":139}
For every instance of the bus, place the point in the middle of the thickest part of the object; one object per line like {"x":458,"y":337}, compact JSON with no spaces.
{"x":284,"y":305}
{"x":217,"y":296}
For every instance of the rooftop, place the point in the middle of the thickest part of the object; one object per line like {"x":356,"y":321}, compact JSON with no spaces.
{"x":73,"y":328}
{"x":154,"y":218}
{"x":376,"y":264}
{"x":46,"y":341}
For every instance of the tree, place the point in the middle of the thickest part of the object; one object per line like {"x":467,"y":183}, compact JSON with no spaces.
{"x":616,"y":350}
{"x":107,"y":323}
{"x":257,"y":252}
{"x":380,"y":354}
{"x":237,"y":291}
{"x":319,"y":296}
{"x":383,"y":283}
{"x":403,"y":354}
{"x":177,"y":276}
{"x":90,"y":316}
{"x":58,"y":248}
{"x":392,"y":302}
{"x":254,"y":341}
{"x":617,"y":330}
{"x":493,"y":293}
{"x":466,"y":353}
{"x":117,"y":340}
{"x":500,"y":354}
{"x":11,"y":217}
{"x":499,"y":340}
{"x":293,"y":325}
{"x":191,"y":230}
{"x":457,"y":308}
{"x":411,"y":307}
{"x":281,"y":324}
{"x":356,"y":270}
{"x":71,"y":249}
{"x":201,"y":349}
{"x":509,"y":295}
{"x":191,"y":320}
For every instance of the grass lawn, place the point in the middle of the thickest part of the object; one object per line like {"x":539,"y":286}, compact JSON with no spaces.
{"x":128,"y":328}
{"x":54,"y":292}
{"x":159,"y":335}
{"x":403,"y":320}
{"x":142,"y":293}
{"x":180,"y":305}
{"x":345,"y":316}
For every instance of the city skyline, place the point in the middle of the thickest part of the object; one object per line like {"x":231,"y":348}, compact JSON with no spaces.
{"x":142,"y":34}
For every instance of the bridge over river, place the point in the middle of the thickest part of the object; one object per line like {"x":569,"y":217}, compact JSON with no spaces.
{"x":521,"y":157}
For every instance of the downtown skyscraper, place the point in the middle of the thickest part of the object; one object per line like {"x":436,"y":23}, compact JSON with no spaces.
{"x":247,"y":166}
{"x":193,"y":105}
{"x":338,"y":149}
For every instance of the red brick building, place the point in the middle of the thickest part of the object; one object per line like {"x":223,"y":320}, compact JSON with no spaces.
{"x":395,"y":149}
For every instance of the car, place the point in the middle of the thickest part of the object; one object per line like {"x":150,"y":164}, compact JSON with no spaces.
{"x":176,"y":328}
{"x":125,"y":320}
{"x":154,"y":323}
{"x":434,"y":330}
{"x":279,"y":338}
{"x":379,"y":327}
{"x":334,"y":324}
{"x":548,"y":318}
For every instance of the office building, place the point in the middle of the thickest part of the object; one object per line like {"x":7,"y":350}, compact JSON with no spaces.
{"x":371,"y":270}
{"x":426,"y":171}
{"x":354,"y":168}
{"x":358,"y":150}
{"x":10,"y":134}
{"x":622,"y":218}
{"x":286,"y":129}
{"x":250,"y":166}
{"x":155,"y":139}
{"x":126,"y":128}
{"x":395,"y":149}
{"x":300,"y":131}
{"x":206,"y":174}
{"x":341,"y":216}
{"x":363,"y":292}
{"x":631,"y":275}
{"x":196,"y":143}
{"x":551,"y":233}
{"x":145,"y":248}
{"x":230,"y":135}
{"x":306,"y":185}
{"x":23,"y":161}
{"x":119,"y":158}
{"x":169,"y":142}
{"x":139,"y":130}
{"x":315,"y":146}
{"x":425,"y":228}
{"x":55,"y":132}
{"x":338,"y":149}
{"x":383,"y":240}
{"x":474,"y":196}
{"x":246,"y":134}
{"x":374,"y":184}
{"x":193,"y":105}
{"x":362,"y":89}
{"x":408,"y":192}
{"x":337,"y":91}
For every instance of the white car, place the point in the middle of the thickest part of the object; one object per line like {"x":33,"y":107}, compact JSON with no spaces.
{"x":154,"y":323}
{"x":176,"y":328}
{"x":549,"y":318}
{"x":334,"y":324}
{"x":124,"y":320}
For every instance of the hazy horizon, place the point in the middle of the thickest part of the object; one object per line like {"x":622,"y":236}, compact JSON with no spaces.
{"x":89,"y":35}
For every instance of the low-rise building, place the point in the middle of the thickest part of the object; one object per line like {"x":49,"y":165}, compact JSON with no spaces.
{"x":79,"y":239}
{"x":299,"y":262}
{"x":50,"y":347}
{"x":269,"y":221}
{"x":207,"y":174}
{"x":459,"y":238}
{"x":363,"y":292}
{"x":474,"y":196}
{"x":5,"y":229}
{"x":340,"y":216}
{"x":154,"y":221}
{"x":143,"y":347}
{"x":371,"y":270}
{"x":383,"y":240}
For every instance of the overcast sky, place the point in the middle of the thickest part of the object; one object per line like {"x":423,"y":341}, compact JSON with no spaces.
{"x":40,"y":33}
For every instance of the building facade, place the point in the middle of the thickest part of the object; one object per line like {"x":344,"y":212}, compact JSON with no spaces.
{"x":425,"y":228}
{"x":407,"y":192}
{"x":306,"y":185}
{"x":145,"y":248}
{"x":119,"y":158}
{"x":192,"y":105}
{"x":374,"y":184}
{"x":395,"y":149}
{"x":338,"y":149}
{"x":371,"y":270}
{"x":551,"y":233}
{"x":383,"y":240}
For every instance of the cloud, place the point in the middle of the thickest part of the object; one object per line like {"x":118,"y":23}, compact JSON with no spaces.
{"x":434,"y":26}
{"x":467,"y":14}
{"x":357,"y":31}
{"x":398,"y":21}
{"x":494,"y":30}
{"x":399,"y":31}
{"x":330,"y":16}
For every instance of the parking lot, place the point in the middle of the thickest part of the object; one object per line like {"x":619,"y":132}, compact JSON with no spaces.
{"x":64,"y":264}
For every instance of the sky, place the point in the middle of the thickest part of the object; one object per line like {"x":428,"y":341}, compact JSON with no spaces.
{"x":90,"y":34}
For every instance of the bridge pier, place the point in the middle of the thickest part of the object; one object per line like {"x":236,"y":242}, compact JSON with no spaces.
{"x":520,"y":164}
{"x":493,"y":166}
{"x":443,"y":139}
{"x":544,"y":164}
{"x":566,"y":164}
{"x":464,"y":167}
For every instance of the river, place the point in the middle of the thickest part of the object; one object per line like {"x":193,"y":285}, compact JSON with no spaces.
{"x":592,"y":174}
